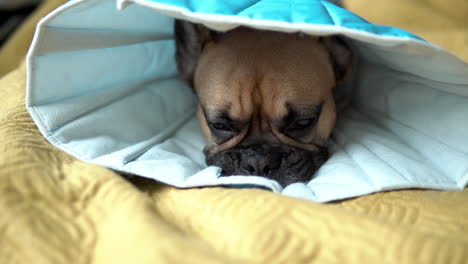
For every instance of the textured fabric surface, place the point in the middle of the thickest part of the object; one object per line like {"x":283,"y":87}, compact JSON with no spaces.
{"x":55,"y":209}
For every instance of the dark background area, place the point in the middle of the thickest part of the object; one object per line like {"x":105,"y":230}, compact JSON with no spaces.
{"x":12,"y":17}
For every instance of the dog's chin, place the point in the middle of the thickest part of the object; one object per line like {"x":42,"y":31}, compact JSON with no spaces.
{"x":284,"y":164}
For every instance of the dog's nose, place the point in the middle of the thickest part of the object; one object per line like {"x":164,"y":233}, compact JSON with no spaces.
{"x":256,"y":166}
{"x":261,"y":163}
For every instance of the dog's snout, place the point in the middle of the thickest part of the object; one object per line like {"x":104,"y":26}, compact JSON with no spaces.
{"x":256,"y":165}
{"x":284,"y":164}
{"x":258,"y":160}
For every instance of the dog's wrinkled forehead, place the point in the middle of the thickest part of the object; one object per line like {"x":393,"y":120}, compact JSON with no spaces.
{"x":262,"y":71}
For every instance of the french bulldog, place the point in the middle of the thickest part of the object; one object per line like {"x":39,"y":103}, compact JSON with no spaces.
{"x":266,"y":104}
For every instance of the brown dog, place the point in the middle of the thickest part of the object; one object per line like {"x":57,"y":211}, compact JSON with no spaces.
{"x":266,"y":103}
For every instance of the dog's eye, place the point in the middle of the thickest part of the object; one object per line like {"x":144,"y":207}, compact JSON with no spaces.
{"x":220,"y":126}
{"x":222,"y":131}
{"x":302,"y":124}
{"x":299,"y":128}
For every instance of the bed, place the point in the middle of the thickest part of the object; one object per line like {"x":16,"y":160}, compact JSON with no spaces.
{"x":57,"y":209}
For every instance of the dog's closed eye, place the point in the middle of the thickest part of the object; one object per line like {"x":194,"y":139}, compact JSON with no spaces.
{"x":220,"y":126}
{"x":300,"y":128}
{"x":302,"y":124}
{"x":222,"y":130}
{"x":300,"y":120}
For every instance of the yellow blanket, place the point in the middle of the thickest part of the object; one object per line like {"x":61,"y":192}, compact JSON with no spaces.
{"x":56,"y":209}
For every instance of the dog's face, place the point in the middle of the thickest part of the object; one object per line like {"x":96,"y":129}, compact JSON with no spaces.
{"x":266,"y":103}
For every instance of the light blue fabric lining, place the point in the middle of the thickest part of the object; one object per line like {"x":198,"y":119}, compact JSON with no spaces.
{"x":103,"y":86}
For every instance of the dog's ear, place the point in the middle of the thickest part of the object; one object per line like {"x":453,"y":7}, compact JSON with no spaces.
{"x":341,"y":56}
{"x":190,"y":39}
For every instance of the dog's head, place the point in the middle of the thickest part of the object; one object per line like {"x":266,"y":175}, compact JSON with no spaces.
{"x":266,"y":103}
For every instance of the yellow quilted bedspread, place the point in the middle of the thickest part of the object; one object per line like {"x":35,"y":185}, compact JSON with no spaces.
{"x":56,"y":209}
